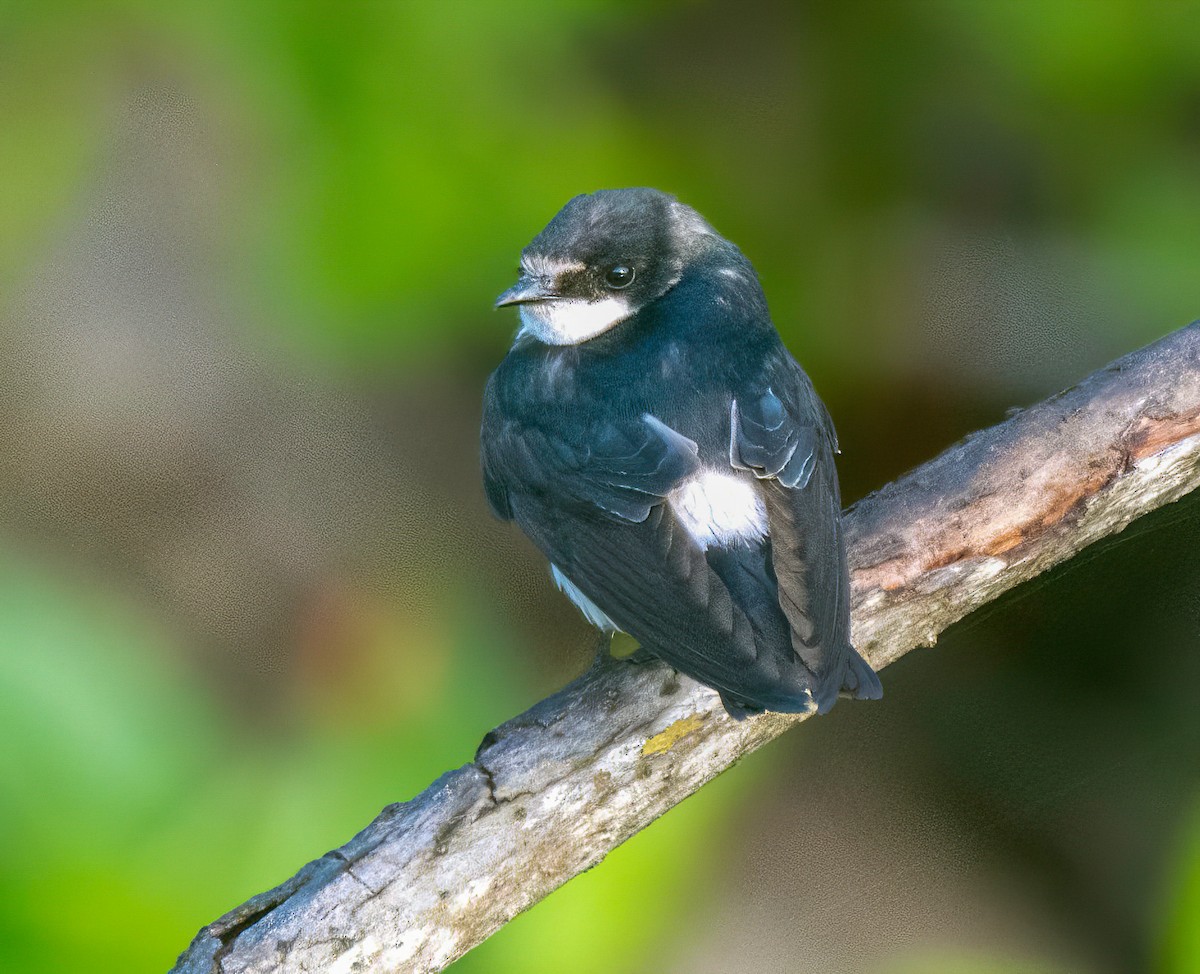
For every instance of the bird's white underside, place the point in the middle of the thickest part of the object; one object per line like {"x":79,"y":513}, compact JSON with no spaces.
{"x":713,"y":507}
{"x":569,"y":321}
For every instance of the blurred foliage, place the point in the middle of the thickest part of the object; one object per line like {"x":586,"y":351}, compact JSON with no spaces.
{"x":953,"y":205}
{"x":1181,"y":940}
{"x":392,"y":156}
{"x":950,"y":963}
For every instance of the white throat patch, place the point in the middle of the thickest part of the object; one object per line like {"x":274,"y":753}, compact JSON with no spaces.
{"x":569,"y":321}
{"x":718,"y":508}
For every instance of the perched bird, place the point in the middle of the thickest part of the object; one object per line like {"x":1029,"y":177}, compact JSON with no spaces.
{"x":653,"y":437}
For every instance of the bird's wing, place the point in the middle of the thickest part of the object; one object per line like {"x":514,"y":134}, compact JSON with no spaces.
{"x":655,"y":583}
{"x":784,"y":436}
{"x":598,"y":511}
{"x":623,"y":469}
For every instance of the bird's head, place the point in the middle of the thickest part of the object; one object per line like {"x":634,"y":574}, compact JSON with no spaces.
{"x":604,"y":257}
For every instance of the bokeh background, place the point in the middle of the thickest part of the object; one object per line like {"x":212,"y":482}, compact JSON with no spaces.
{"x":249,"y":589}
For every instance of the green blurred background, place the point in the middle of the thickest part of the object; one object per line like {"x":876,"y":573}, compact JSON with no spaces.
{"x":249,"y":589}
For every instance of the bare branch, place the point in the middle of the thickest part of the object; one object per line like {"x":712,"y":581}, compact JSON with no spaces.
{"x":553,"y":790}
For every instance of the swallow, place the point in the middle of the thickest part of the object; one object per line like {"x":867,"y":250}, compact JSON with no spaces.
{"x":651,"y":434}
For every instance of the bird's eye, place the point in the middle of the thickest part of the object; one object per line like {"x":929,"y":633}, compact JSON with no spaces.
{"x":619,"y":276}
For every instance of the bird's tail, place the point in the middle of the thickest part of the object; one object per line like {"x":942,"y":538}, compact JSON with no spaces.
{"x":856,"y":679}
{"x":860,"y":681}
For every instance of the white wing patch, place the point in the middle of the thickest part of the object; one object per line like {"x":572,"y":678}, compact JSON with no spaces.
{"x":569,"y":321}
{"x":718,"y":508}
{"x":592,"y":612}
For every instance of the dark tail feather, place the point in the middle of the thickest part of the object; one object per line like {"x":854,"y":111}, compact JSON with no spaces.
{"x":860,"y":680}
{"x":857,"y":680}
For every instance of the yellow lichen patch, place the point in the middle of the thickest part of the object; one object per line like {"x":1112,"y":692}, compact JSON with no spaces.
{"x":665,"y":740}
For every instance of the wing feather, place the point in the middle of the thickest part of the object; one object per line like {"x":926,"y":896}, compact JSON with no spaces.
{"x":666,"y":595}
{"x":784,"y":436}
{"x":622,"y":469}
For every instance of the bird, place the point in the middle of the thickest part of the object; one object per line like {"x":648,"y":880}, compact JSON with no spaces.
{"x":649,"y":432}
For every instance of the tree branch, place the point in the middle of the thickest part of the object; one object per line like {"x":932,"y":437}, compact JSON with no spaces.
{"x":553,"y":790}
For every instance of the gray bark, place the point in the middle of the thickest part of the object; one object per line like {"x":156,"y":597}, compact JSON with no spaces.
{"x":552,"y":791}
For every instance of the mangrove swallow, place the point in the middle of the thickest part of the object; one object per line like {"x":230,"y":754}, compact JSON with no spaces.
{"x":653,"y":437}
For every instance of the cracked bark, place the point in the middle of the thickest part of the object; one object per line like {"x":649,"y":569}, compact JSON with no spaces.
{"x":553,"y":790}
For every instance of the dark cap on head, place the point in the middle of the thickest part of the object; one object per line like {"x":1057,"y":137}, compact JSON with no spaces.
{"x":643,"y":234}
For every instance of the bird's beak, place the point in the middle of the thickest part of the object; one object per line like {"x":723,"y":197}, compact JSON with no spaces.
{"x":525,"y":290}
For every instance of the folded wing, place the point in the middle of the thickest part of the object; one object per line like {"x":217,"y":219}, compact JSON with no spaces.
{"x":783,"y":435}
{"x":764,"y":622}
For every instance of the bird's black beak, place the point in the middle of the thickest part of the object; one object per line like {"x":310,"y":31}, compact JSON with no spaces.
{"x":525,"y":290}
